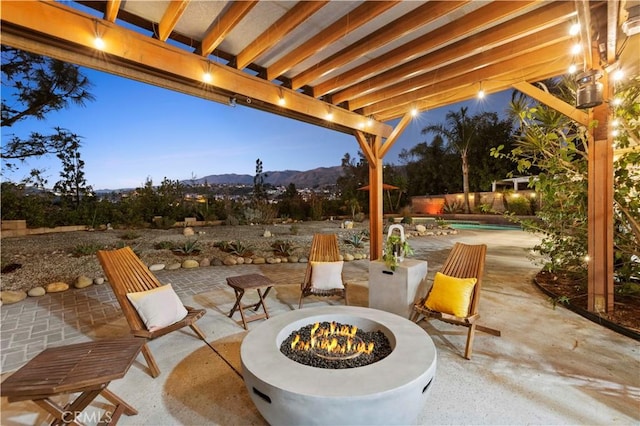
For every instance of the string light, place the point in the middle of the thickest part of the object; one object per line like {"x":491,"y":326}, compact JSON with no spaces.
{"x":618,"y":75}
{"x":572,"y":69}
{"x":414,"y":112}
{"x":480,"y":92}
{"x":207,"y":77}
{"x":574,"y":29}
{"x":98,"y":42}
{"x":576,"y":49}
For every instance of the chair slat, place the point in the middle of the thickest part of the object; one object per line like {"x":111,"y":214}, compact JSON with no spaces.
{"x":324,"y":248}
{"x":464,"y":261}
{"x":126,"y":273}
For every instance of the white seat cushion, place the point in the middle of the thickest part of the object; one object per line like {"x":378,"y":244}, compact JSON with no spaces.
{"x":159,"y":307}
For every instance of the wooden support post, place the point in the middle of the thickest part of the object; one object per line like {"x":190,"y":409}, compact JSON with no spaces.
{"x":600,"y":209}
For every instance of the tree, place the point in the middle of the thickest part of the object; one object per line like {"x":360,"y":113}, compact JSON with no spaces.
{"x":430,"y":168}
{"x":557,"y":147}
{"x":355,"y":174}
{"x":73,"y":184}
{"x":460,"y":131}
{"x":35,"y":86}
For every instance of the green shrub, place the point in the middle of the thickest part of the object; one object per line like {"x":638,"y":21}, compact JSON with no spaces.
{"x":85,"y":249}
{"x":163,"y":245}
{"x":130,"y":235}
{"x":188,"y":247}
{"x":283,"y":247}
{"x":519,"y":206}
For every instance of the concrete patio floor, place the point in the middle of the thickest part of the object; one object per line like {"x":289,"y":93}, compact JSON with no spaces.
{"x":550,"y":366}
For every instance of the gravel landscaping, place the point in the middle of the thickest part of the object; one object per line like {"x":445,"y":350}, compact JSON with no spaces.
{"x":38,"y":260}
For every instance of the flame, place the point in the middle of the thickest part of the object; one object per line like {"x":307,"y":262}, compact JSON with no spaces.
{"x":327,"y":339}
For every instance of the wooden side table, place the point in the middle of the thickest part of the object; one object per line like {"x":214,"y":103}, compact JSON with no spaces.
{"x":240,"y":284}
{"x":87,"y":368}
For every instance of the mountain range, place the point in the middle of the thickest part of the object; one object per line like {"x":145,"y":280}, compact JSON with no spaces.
{"x":320,"y":176}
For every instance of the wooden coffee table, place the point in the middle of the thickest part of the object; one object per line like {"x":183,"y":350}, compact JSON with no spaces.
{"x":84,"y":367}
{"x":240,"y":284}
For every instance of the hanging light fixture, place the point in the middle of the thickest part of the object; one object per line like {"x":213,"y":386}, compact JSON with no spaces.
{"x":589,"y":92}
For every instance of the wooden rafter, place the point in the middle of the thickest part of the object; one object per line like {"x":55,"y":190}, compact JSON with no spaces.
{"x":348,"y":23}
{"x":283,"y":26}
{"x":420,"y":46}
{"x":111,"y":10}
{"x":507,"y":72}
{"x":459,"y":90}
{"x":171,"y":16}
{"x":394,"y":30}
{"x":218,"y":31}
{"x":492,"y":46}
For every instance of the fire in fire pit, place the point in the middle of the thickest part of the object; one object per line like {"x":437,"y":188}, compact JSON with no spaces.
{"x":334,"y":345}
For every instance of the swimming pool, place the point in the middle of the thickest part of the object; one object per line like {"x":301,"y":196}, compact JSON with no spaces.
{"x":483,"y":226}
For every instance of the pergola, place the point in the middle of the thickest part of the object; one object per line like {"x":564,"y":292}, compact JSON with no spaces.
{"x":354,"y":66}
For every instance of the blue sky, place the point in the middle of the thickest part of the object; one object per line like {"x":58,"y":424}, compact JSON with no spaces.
{"x":134,"y":131}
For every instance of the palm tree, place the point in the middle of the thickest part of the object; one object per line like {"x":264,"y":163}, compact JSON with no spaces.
{"x":459,"y":131}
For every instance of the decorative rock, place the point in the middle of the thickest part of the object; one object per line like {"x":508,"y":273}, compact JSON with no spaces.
{"x":188,"y":231}
{"x":303,"y":260}
{"x":283,"y":260}
{"x":12,"y":296}
{"x":205,"y":262}
{"x":83,"y":281}
{"x":259,"y":261}
{"x":239,"y":260}
{"x":348,"y":257}
{"x":230,"y":261}
{"x":173,"y":266}
{"x":293,"y":259}
{"x":358,"y":256}
{"x":217,"y":262}
{"x":36,"y":292}
{"x":56,"y":287}
{"x":273,"y":260}
{"x":248,"y":260}
{"x":156,"y":267}
{"x":421,"y":228}
{"x":190,"y":263}
{"x":98,"y":280}
{"x":267,"y":233}
{"x":340,"y":257}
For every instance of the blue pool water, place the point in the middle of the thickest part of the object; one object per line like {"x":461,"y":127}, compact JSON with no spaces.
{"x":486,"y":226}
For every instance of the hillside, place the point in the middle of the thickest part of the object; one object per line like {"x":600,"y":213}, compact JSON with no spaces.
{"x":301,"y":179}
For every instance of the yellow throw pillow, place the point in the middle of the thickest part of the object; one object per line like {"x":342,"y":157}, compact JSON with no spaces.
{"x":450,"y":295}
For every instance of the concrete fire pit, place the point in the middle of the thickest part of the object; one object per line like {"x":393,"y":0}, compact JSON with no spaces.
{"x":390,"y":391}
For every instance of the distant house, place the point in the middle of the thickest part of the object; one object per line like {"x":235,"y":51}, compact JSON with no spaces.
{"x":515,"y":184}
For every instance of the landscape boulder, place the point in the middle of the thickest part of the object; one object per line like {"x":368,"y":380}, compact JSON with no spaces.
{"x":56,"y":287}
{"x":12,"y":296}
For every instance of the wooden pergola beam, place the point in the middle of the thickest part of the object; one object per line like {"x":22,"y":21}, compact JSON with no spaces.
{"x":481,"y":65}
{"x":171,"y":17}
{"x":496,"y":47}
{"x":458,"y":88}
{"x":548,"y":99}
{"x":111,"y":10}
{"x":404,"y":25}
{"x":417,"y":47}
{"x":289,"y":21}
{"x":231,"y":17}
{"x":52,"y":23}
{"x":348,"y":23}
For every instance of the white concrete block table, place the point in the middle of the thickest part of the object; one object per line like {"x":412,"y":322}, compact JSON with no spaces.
{"x":396,"y":291}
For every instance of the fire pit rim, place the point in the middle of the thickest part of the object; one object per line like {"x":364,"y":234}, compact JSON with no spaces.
{"x":413,"y":351}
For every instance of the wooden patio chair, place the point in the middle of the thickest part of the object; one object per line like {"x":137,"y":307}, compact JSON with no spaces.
{"x":324,"y":259}
{"x":126,"y":273}
{"x":464,"y":262}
